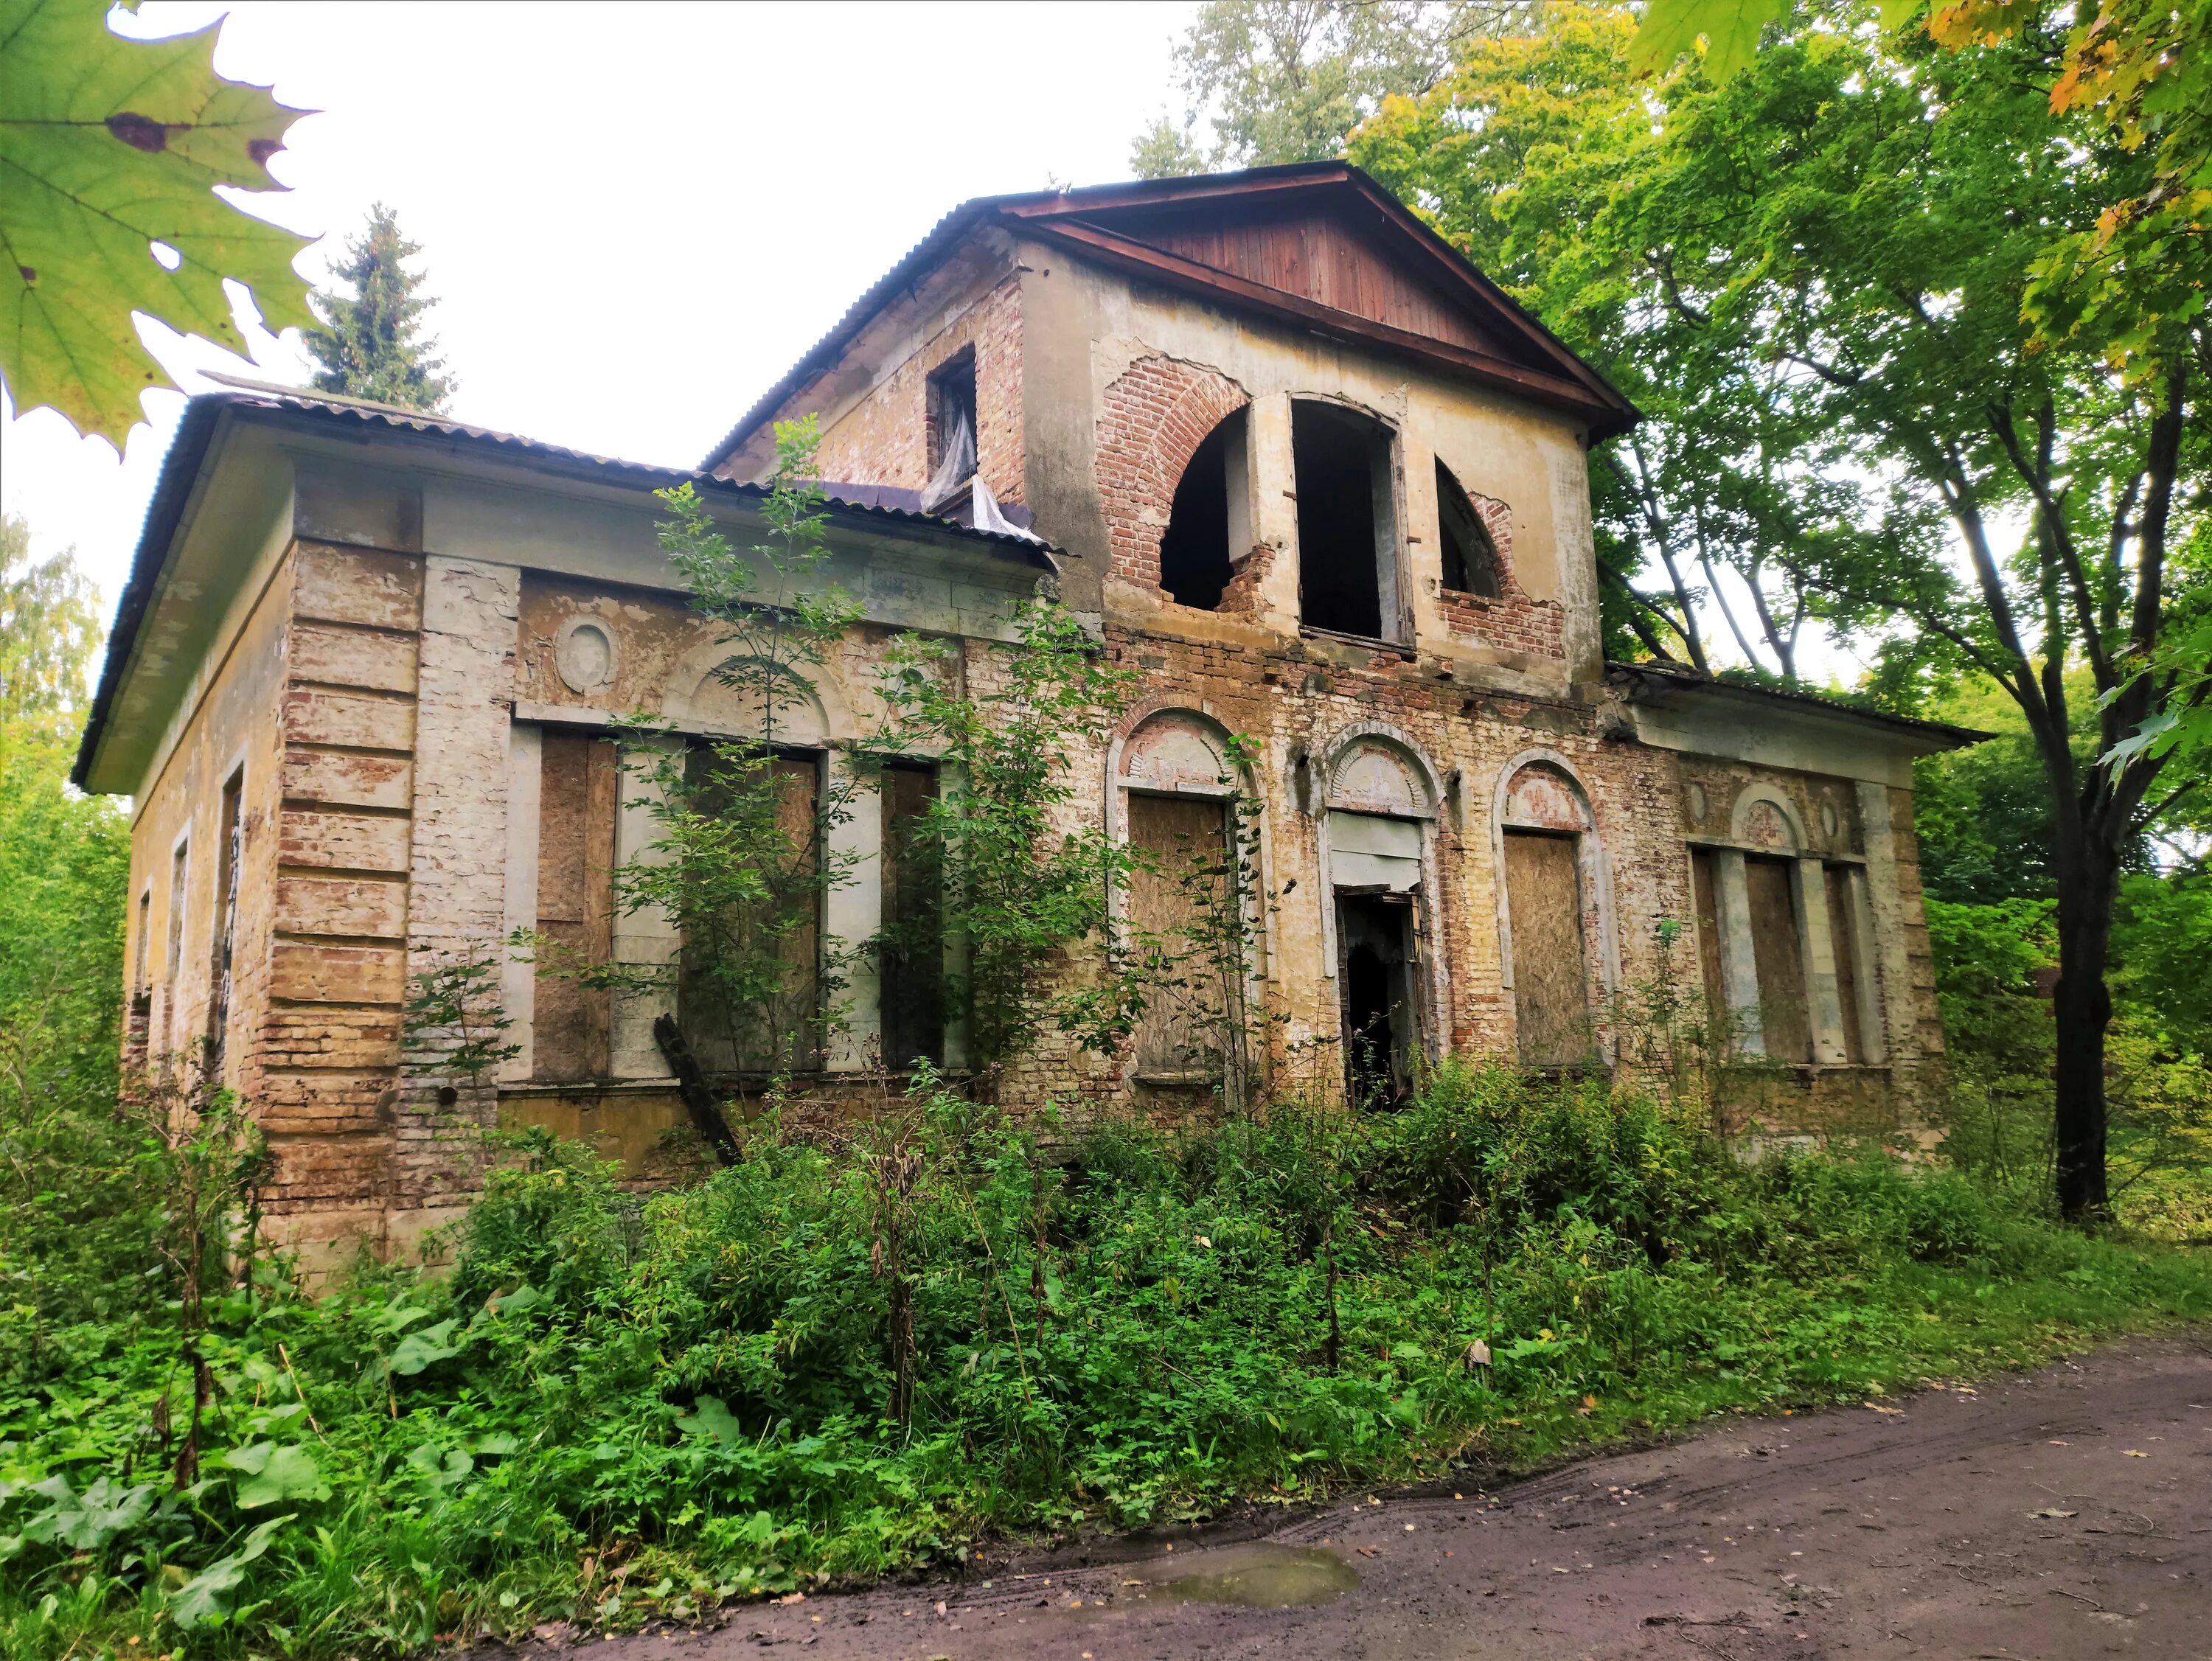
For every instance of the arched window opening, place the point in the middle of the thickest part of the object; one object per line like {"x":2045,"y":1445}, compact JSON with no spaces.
{"x":1197,"y":551}
{"x":1470,"y":553}
{"x":1347,"y":521}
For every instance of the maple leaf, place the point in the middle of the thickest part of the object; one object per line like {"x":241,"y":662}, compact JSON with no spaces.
{"x":1731,"y":30}
{"x":109,"y":146}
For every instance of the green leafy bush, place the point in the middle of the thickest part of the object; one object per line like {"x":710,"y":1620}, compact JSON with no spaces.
{"x":831,"y":1361}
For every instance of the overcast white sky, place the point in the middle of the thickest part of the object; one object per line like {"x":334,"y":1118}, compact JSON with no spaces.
{"x":633,"y":217}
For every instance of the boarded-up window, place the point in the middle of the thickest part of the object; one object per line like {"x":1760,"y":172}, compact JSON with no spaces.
{"x":911,"y":967}
{"x":1551,"y":983}
{"x":577,"y":789}
{"x":1783,"y":1018}
{"x":1844,"y":935}
{"x":1169,"y":903}
{"x":1704,"y":889}
{"x":750,"y":1000}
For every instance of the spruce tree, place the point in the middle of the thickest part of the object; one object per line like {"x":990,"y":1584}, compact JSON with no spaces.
{"x":373,"y":347}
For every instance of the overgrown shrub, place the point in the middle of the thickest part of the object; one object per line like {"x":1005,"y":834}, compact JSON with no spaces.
{"x":839,"y":1360}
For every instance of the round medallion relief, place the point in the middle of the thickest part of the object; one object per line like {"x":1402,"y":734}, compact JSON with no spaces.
{"x":1699,"y":805}
{"x":586,"y":655}
{"x":1830,"y":820}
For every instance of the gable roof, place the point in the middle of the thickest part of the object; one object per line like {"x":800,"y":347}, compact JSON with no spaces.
{"x":1320,"y":244}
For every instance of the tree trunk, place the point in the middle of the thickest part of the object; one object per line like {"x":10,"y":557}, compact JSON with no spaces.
{"x":2089,"y":888}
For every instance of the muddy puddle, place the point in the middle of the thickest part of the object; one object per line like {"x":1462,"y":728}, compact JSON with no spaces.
{"x":1261,"y":1577}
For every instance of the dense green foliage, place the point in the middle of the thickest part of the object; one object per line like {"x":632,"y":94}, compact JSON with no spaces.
{"x":614,"y":1409}
{"x":371,"y":343}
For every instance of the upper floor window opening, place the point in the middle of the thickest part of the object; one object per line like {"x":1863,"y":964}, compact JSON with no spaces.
{"x":948,"y":417}
{"x":1471,"y":565}
{"x":1347,"y":521}
{"x":1199,"y":549}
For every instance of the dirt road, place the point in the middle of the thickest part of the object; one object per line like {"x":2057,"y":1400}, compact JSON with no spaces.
{"x":2063,"y":1513}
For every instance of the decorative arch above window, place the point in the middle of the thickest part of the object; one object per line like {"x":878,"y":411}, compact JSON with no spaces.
{"x":1764,"y":818}
{"x":1374,"y":773}
{"x":1176,"y":751}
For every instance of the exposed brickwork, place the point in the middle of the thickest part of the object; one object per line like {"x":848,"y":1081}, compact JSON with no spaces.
{"x":328,"y":1040}
{"x":884,"y":438}
{"x":1512,"y":620}
{"x":1151,"y":419}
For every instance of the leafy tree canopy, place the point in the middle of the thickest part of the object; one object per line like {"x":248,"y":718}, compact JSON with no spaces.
{"x":110,"y":149}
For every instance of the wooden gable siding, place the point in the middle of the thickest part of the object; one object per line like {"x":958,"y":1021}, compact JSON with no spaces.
{"x":1321,"y":258}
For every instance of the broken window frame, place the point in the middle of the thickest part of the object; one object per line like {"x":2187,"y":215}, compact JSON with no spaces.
{"x":951,"y":428}
{"x":1226,"y":446}
{"x":1326,"y":611}
{"x":1411,"y":800}
{"x":1469,"y":561}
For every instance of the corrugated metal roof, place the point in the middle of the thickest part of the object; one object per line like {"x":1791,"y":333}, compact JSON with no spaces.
{"x":180,"y":468}
{"x":1677,"y":677}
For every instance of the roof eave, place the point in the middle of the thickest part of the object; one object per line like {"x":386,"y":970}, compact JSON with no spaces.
{"x":1932,"y":738}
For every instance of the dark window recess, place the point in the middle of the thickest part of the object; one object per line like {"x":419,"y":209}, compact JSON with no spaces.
{"x":1706,"y":890}
{"x":1470,"y":555}
{"x":571,"y":1024}
{"x":1376,"y":971}
{"x":1169,"y":900}
{"x":1551,"y":981}
{"x":950,"y":412}
{"x":1844,"y":931}
{"x":231,"y":830}
{"x":910,"y":965}
{"x":749,"y":998}
{"x":1783,"y":1018}
{"x":1194,"y":551}
{"x":1347,"y":553}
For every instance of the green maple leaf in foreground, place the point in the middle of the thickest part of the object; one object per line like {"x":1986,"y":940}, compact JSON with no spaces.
{"x":108,"y":146}
{"x":1731,"y":28}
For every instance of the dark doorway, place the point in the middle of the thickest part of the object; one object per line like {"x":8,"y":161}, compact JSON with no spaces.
{"x":1347,"y":544}
{"x":1375,"y":969}
{"x":1195,"y":553}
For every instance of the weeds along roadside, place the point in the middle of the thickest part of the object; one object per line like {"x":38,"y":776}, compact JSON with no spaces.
{"x":825,"y":1362}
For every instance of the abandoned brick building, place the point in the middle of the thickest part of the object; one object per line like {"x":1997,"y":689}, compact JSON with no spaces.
{"x":1294,"y":460}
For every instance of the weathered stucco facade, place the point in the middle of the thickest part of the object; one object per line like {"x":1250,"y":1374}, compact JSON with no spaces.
{"x":1298,"y":468}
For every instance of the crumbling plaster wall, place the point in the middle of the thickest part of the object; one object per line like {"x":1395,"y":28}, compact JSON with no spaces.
{"x":230,"y":722}
{"x":1103,"y":357}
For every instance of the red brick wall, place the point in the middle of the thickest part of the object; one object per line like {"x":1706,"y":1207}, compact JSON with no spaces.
{"x":1512,"y":620}
{"x":883,"y":439}
{"x":1153,"y":416}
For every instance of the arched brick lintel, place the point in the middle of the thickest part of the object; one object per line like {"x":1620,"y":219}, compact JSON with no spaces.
{"x":1155,"y":414}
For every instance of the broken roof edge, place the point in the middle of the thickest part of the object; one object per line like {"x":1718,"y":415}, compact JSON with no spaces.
{"x":1022,"y":208}
{"x":183,"y":466}
{"x":1937,"y":735}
